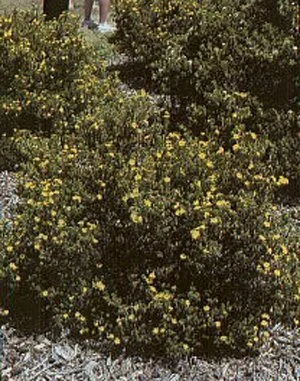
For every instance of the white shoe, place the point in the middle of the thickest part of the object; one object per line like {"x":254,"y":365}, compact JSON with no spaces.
{"x":105,"y":28}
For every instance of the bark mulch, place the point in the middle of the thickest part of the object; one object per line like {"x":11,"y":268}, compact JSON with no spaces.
{"x":28,"y":358}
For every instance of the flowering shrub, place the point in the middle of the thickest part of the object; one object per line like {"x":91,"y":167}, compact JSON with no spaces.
{"x":203,"y":52}
{"x":48,"y":73}
{"x":153,"y":241}
{"x":159,"y":242}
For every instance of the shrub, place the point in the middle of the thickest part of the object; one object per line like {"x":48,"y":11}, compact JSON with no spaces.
{"x":160,"y":243}
{"x":194,"y":47}
{"x":223,"y":112}
{"x":155,"y":241}
{"x":48,"y":73}
{"x":219,"y":59}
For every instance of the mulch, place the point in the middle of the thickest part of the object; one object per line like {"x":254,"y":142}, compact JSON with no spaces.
{"x":28,"y":358}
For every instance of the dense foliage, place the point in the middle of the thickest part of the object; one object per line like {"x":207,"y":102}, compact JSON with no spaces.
{"x":160,"y":242}
{"x":206,"y":54}
{"x":47,"y":78}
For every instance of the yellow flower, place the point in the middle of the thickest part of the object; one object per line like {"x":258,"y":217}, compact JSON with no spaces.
{"x":29,"y":185}
{"x":202,"y":155}
{"x":61,"y":223}
{"x":147,"y":203}
{"x":218,"y":324}
{"x":163,"y":296}
{"x":65,"y":316}
{"x":277,"y":273}
{"x":266,"y":265}
{"x":99,"y":285}
{"x":117,"y":341}
{"x":223,"y":338}
{"x":10,"y":249}
{"x":99,"y":197}
{"x":284,"y":249}
{"x":195,"y":233}
{"x":185,"y":347}
{"x":131,"y":317}
{"x":283,"y":180}
{"x":180,"y":211}
{"x":44,"y":237}
{"x":264,"y":323}
{"x":181,"y":143}
{"x":253,"y":135}
{"x":45,"y":293}
{"x":137,"y":219}
{"x":155,"y":331}
{"x":258,"y":177}
{"x":76,"y":198}
{"x":222,"y":203}
{"x":206,"y":308}
{"x":13,"y":266}
{"x":236,"y":147}
{"x":167,"y":180}
{"x":267,"y":224}
{"x":152,"y":275}
{"x":183,"y":256}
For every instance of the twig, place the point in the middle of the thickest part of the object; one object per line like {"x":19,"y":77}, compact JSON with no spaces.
{"x":43,"y":370}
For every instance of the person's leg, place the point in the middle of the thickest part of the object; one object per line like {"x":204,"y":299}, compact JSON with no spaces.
{"x":103,"y":10}
{"x":88,"y":7}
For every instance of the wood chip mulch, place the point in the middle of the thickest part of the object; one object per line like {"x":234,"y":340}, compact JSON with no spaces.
{"x":38,"y":358}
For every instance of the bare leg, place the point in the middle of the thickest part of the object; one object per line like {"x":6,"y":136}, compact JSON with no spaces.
{"x":103,"y":10}
{"x":88,"y":6}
